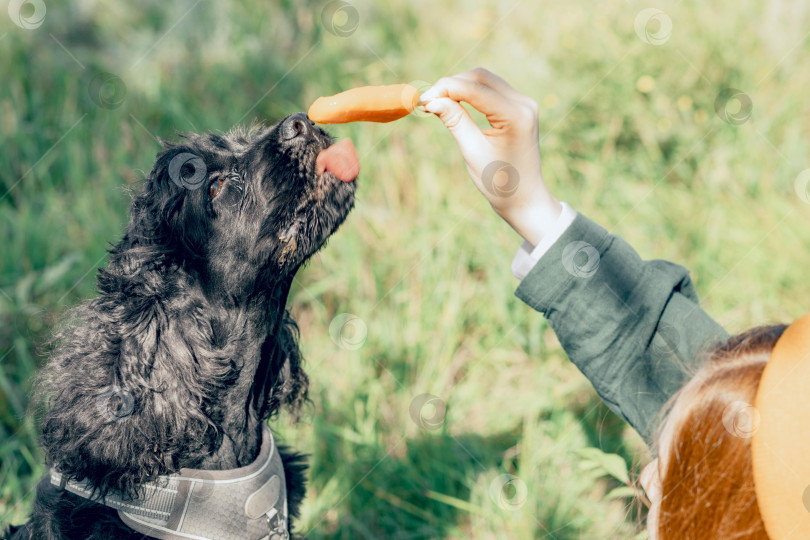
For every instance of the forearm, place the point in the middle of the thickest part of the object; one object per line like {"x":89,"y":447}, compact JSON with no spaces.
{"x":633,"y":327}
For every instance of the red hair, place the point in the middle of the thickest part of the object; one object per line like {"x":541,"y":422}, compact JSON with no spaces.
{"x":707,"y":482}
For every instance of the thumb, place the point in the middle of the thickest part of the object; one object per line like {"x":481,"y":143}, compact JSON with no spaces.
{"x":458,"y":121}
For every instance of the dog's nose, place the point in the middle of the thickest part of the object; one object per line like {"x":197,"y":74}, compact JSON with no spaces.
{"x":297,"y":125}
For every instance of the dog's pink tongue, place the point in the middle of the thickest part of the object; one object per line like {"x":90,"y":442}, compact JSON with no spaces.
{"x":339,"y":159}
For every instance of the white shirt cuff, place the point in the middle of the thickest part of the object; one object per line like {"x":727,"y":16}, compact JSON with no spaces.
{"x":528,"y":255}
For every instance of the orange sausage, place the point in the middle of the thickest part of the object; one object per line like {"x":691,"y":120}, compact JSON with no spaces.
{"x":365,"y":104}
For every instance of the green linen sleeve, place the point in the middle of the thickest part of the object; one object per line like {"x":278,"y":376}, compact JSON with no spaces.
{"x":634,"y":328}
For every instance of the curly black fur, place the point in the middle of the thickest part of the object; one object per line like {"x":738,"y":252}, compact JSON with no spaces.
{"x":188,"y":347}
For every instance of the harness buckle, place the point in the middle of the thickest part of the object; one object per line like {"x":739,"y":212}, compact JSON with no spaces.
{"x":279,"y":530}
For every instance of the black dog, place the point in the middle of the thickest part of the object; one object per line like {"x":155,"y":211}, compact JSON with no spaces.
{"x":188,"y":348}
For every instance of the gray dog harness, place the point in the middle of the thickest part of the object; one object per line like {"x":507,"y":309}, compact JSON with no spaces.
{"x":237,"y":504}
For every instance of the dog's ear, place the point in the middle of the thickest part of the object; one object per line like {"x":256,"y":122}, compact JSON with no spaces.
{"x":126,"y":389}
{"x":171,"y":212}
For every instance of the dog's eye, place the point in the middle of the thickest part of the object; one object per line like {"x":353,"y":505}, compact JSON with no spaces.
{"x":214,"y":187}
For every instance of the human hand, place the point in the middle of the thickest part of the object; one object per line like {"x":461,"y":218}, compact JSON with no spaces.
{"x":503,"y":160}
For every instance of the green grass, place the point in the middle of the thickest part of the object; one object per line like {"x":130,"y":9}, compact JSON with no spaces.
{"x":422,"y":261}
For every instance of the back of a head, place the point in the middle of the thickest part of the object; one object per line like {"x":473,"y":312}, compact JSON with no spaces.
{"x":707,"y":479}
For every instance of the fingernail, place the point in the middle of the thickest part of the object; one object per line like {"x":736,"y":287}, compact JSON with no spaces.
{"x":436,"y":106}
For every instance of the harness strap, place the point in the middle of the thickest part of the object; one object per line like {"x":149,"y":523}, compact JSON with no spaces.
{"x":156,"y":503}
{"x":247,"y":502}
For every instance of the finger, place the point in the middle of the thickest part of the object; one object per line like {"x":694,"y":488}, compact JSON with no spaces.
{"x":489,"y":79}
{"x":482,"y":98}
{"x":458,"y":122}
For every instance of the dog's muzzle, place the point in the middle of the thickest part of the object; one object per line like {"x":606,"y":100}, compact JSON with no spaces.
{"x":249,"y":502}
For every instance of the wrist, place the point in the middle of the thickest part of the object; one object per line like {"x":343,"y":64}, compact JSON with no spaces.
{"x":533,"y":220}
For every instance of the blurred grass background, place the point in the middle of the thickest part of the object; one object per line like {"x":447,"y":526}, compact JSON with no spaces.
{"x":630,"y":137}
